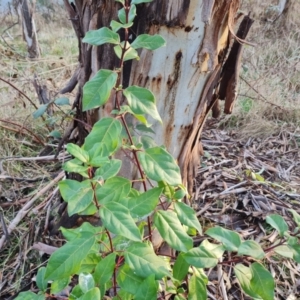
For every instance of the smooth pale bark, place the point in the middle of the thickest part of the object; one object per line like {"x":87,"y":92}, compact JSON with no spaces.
{"x":25,"y":11}
{"x":182,"y":75}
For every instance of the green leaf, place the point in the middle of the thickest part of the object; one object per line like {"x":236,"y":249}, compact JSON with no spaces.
{"x":278,"y":223}
{"x":40,"y":111}
{"x":230,"y":239}
{"x":108,"y":170}
{"x":262,"y":282}
{"x":59,"y":285}
{"x":131,"y":15}
{"x":106,"y":131}
{"x":56,"y":134}
{"x":180,"y":268}
{"x":285,"y":251}
{"x":90,"y":262}
{"x":29,"y":296}
{"x":129,"y":53}
{"x":75,"y":293}
{"x":159,"y":165}
{"x":79,"y":195}
{"x":296,"y":216}
{"x":142,"y":259}
{"x":97,"y":90}
{"x":66,"y":260}
{"x":145,"y":203}
{"x":78,"y":152}
{"x":296,"y":252}
{"x":216,"y":249}
{"x":200,"y":258}
{"x":128,"y":280}
{"x":244,"y":276}
{"x":62,"y":101}
{"x":117,"y":219}
{"x":150,"y":42}
{"x":148,"y":289}
{"x":113,"y":190}
{"x":140,"y":1}
{"x":101,"y":36}
{"x":142,"y":101}
{"x":197,"y":287}
{"x":105,"y":269}
{"x":251,"y":248}
{"x":148,"y":142}
{"x":86,"y":282}
{"x":75,"y":166}
{"x":40,"y":279}
{"x":144,"y":128}
{"x":187,"y":216}
{"x":172,"y":231}
{"x":91,"y":294}
{"x":115,"y":26}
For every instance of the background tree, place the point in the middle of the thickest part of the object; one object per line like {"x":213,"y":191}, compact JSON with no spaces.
{"x":183,"y":76}
{"x":25,"y":10}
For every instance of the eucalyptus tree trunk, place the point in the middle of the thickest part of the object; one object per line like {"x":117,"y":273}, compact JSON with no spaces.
{"x":25,"y":10}
{"x":184,"y":76}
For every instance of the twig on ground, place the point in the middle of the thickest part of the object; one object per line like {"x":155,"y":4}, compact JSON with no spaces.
{"x":27,"y":207}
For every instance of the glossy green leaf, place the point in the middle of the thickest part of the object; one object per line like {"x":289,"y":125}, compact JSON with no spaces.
{"x":40,"y":279}
{"x":142,"y":259}
{"x":86,"y":282}
{"x":75,"y":293}
{"x":90,"y":262}
{"x":78,"y":152}
{"x":106,"y":131}
{"x":278,"y":223}
{"x":59,"y":285}
{"x":197,"y":287}
{"x":262,"y":282}
{"x":187,"y":216}
{"x":115,"y":26}
{"x":171,"y":230}
{"x":200,"y":258}
{"x":251,"y":248}
{"x":62,"y":101}
{"x":66,"y":260}
{"x":108,"y":170}
{"x":285,"y":251}
{"x":113,"y":190}
{"x":150,"y":42}
{"x":40,"y":111}
{"x":75,"y":166}
{"x":148,"y":289}
{"x":91,"y":294}
{"x":144,"y":128}
{"x":215,"y":249}
{"x":131,"y":15}
{"x":180,"y":268}
{"x":148,"y":142}
{"x":129,"y":53}
{"x":101,"y":36}
{"x":97,"y":90}
{"x":117,"y":219}
{"x":145,"y":203}
{"x":159,"y":165}
{"x":142,"y":101}
{"x":79,"y":195}
{"x":128,"y":280}
{"x":244,"y":276}
{"x":105,"y":268}
{"x":230,"y":239}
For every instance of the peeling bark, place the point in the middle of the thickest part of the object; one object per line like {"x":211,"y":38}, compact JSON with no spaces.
{"x":183,"y":75}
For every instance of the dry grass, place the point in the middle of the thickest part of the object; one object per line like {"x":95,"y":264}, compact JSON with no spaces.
{"x":269,"y":93}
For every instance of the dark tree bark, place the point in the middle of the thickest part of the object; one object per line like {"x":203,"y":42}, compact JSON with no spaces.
{"x":25,"y":11}
{"x":184,"y":75}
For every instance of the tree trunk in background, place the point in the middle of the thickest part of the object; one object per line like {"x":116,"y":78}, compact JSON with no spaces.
{"x":25,"y":11}
{"x":184,"y":75}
